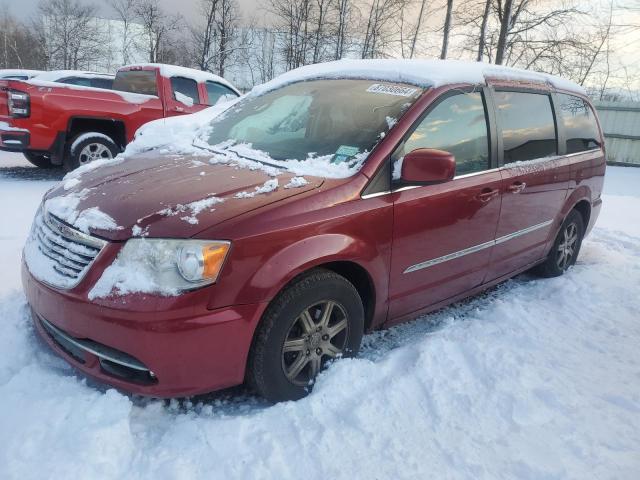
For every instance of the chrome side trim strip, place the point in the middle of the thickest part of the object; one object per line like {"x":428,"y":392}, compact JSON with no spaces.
{"x":450,"y":256}
{"x":524,"y":231}
{"x":473,"y":174}
{"x":374,"y":195}
{"x":476,"y":248}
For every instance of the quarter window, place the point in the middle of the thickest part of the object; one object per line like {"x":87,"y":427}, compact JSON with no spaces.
{"x":217,"y":92}
{"x":457,"y":125}
{"x":185,"y":90}
{"x":528,"y":128}
{"x":579,"y":123}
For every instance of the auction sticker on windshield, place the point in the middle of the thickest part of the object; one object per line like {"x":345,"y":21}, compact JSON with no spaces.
{"x":344,"y":152}
{"x":392,"y":90}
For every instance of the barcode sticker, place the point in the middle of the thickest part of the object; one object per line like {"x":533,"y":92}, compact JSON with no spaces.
{"x":392,"y":90}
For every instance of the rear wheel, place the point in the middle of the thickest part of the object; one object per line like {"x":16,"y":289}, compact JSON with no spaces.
{"x":316,"y":319}
{"x":37,"y":159}
{"x":89,"y":147}
{"x":566,"y":247}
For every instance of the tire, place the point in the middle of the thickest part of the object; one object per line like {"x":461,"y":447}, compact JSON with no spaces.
{"x":88,"y":147}
{"x":39,"y":160}
{"x":565,"y":249}
{"x":271,"y":370}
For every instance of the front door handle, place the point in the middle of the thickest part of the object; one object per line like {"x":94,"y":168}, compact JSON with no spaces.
{"x":517,"y":187}
{"x":487,"y":194}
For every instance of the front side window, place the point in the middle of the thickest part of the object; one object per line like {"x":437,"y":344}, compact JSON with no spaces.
{"x":136,"y":81}
{"x":332,"y":121}
{"x":457,"y":125}
{"x":185,"y":90}
{"x":217,"y":92}
{"x":579,"y":123}
{"x":528,"y":128}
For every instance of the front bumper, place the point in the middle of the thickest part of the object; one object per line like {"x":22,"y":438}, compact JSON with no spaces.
{"x":173,"y":352}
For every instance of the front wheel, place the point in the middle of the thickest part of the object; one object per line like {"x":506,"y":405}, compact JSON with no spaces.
{"x":89,"y":147}
{"x":316,"y":319}
{"x":565,"y":249}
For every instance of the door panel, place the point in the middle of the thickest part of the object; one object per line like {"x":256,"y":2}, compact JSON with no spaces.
{"x":534,"y":179}
{"x":443,"y":237}
{"x":531,"y":200}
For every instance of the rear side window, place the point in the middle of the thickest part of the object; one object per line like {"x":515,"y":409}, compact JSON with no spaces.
{"x":579,"y":123}
{"x":185,"y":90}
{"x":457,"y":125}
{"x":528,"y":128}
{"x":106,"y":83}
{"x":136,"y":81}
{"x":217,"y":92}
{"x":81,"y":81}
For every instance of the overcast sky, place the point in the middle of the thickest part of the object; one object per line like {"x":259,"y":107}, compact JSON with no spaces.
{"x":26,"y":8}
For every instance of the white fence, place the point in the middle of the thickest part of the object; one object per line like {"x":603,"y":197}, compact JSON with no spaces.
{"x":621,"y":124}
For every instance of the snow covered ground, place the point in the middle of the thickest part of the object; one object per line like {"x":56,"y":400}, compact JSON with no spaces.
{"x":534,"y":379}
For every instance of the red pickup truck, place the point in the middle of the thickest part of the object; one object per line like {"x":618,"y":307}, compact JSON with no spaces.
{"x":70,"y":125}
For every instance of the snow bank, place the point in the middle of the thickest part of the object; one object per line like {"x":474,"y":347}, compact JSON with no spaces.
{"x":422,"y":73}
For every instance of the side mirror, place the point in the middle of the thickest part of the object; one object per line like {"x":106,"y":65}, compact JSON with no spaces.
{"x":426,"y":166}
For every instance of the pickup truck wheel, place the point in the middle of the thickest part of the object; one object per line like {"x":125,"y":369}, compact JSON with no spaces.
{"x":89,"y":147}
{"x":314,"y":320}
{"x":565,"y":249}
{"x":38,"y":160}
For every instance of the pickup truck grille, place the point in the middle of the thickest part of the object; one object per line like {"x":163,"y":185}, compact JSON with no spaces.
{"x":58,"y":254}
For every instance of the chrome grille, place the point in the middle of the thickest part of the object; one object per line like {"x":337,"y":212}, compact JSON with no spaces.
{"x":69,"y":252}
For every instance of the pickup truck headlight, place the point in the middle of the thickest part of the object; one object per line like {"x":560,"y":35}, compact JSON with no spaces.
{"x":175,"y":264}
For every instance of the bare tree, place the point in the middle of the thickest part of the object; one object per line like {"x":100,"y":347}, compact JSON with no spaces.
{"x":381,"y":28}
{"x":19,"y":46}
{"x":343,"y":14}
{"x":125,"y":11}
{"x":158,"y":28}
{"x":446,"y":30}
{"x":69,"y":34}
{"x":294,"y":22}
{"x":417,"y":30}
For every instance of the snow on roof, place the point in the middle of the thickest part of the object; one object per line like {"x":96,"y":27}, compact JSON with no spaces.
{"x":175,"y":71}
{"x":55,"y":75}
{"x":422,"y":73}
{"x":14,"y":73}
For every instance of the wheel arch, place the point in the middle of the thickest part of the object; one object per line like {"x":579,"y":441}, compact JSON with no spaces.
{"x":114,"y":129}
{"x":342,"y":254}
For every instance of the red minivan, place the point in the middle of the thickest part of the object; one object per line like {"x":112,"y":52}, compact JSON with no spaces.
{"x":335,"y":200}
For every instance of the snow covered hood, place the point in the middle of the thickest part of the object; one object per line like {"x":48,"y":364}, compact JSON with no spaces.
{"x":422,"y":73}
{"x":169,"y":196}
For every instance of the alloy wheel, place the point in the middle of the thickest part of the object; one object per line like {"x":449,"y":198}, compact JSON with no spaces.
{"x":317,"y":335}
{"x":94,"y":151}
{"x":568,"y":247}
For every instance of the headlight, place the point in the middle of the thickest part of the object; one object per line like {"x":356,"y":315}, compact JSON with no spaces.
{"x":175,"y":264}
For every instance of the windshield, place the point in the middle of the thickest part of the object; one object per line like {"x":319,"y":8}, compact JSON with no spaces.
{"x":136,"y":81}
{"x":339,"y":120}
